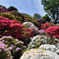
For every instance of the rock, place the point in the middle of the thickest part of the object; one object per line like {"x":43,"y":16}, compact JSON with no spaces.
{"x":34,"y":29}
{"x":28,"y":25}
{"x":39,"y":54}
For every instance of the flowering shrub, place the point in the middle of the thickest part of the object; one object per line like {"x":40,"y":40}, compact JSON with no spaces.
{"x":4,"y":53}
{"x":8,"y":11}
{"x":53,"y":31}
{"x":42,"y":32}
{"x":11,"y":16}
{"x":2,"y":9}
{"x":46,"y":25}
{"x":38,"y":40}
{"x":9,"y":26}
{"x":3,"y":18}
{"x":14,"y":46}
{"x":38,"y":22}
{"x":13,"y":28}
{"x":27,"y":33}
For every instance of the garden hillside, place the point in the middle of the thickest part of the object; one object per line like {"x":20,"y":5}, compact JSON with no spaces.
{"x":28,"y":37}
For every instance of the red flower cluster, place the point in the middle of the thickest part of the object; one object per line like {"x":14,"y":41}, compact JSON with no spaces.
{"x":46,"y":25}
{"x":7,"y":11}
{"x":53,"y":31}
{"x":3,"y":18}
{"x":13,"y":28}
{"x":26,"y":33}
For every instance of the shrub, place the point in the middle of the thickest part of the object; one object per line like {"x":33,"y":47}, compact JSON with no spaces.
{"x":14,"y":46}
{"x":9,"y":27}
{"x":4,"y":53}
{"x":38,"y":40}
{"x":14,"y":28}
{"x":46,"y":25}
{"x":2,"y":8}
{"x":16,"y":13}
{"x":11,"y":16}
{"x":38,"y":22}
{"x":53,"y":31}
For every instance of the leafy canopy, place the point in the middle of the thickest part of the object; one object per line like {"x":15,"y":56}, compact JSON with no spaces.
{"x":52,"y":8}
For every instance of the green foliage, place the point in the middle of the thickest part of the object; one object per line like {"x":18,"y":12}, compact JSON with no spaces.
{"x":11,"y":16}
{"x":37,"y":16}
{"x":28,"y":17}
{"x":12,"y":8}
{"x":52,"y":8}
{"x":46,"y":17}
{"x":38,"y":23}
{"x":3,"y":55}
{"x":16,"y":13}
{"x":7,"y":15}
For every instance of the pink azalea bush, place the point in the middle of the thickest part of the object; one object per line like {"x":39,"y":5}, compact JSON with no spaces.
{"x":14,"y":46}
{"x":2,"y":9}
{"x":4,"y":52}
{"x":8,"y":11}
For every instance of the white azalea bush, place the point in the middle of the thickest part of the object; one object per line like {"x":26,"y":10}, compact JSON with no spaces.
{"x":39,"y":54}
{"x":38,"y":40}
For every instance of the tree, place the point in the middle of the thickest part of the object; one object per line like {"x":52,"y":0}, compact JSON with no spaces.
{"x":46,"y":17}
{"x":52,"y":8}
{"x":37,"y":16}
{"x":12,"y":8}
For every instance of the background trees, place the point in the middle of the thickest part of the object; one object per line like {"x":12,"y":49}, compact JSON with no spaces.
{"x":12,"y":8}
{"x":52,"y":8}
{"x":37,"y":16}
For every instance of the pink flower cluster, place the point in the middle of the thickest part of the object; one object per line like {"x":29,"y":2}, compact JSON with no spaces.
{"x":7,"y":11}
{"x":2,"y":45}
{"x":53,"y":31}
{"x":2,"y":9}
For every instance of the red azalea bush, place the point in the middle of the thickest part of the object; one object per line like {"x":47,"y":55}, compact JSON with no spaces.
{"x":9,"y":26}
{"x":46,"y":25}
{"x":3,"y":18}
{"x":53,"y":31}
{"x":13,"y":28}
{"x":27,"y":33}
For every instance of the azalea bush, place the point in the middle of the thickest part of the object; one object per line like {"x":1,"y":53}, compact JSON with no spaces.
{"x":10,"y":16}
{"x":38,"y":40}
{"x":38,"y":22}
{"x":14,"y":46}
{"x":2,"y":9}
{"x":13,"y":28}
{"x":9,"y":27}
{"x":53,"y":31}
{"x":46,"y":25}
{"x":4,"y":52}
